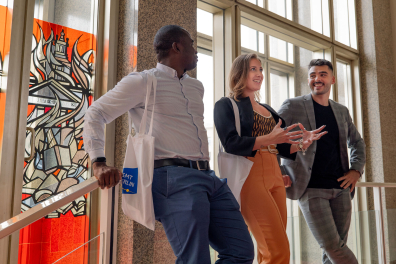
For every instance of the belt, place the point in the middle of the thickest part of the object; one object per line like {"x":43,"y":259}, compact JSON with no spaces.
{"x":195,"y":164}
{"x":270,"y":149}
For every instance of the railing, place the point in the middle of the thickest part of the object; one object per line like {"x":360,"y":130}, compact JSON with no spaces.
{"x":367,"y":237}
{"x":42,"y":209}
{"x":378,"y":206}
{"x":55,"y":202}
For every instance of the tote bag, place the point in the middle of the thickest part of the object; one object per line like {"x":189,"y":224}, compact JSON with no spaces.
{"x":137,"y":174}
{"x":234,"y":168}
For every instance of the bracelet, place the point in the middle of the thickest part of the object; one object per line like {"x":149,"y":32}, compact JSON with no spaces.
{"x":300,"y":146}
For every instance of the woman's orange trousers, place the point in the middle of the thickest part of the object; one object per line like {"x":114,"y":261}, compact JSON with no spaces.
{"x":263,"y":206}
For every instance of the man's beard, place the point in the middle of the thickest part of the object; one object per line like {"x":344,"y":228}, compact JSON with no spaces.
{"x":324,"y":90}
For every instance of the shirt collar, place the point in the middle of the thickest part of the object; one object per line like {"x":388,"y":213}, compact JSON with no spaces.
{"x":168,"y":70}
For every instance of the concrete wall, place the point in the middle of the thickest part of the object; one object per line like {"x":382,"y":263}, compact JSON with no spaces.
{"x":137,"y":244}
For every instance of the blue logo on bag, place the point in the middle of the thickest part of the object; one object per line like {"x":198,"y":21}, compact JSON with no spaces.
{"x":129,"y":180}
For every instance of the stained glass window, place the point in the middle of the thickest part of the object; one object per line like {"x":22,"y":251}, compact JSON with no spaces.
{"x":60,"y":91}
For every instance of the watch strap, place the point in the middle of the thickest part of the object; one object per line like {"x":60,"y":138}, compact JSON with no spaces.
{"x":98,"y":159}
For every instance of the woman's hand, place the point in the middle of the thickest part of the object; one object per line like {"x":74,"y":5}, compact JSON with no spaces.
{"x":310,"y":136}
{"x":282,"y":135}
{"x":287,"y":181}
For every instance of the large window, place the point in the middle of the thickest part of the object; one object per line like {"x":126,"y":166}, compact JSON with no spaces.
{"x":286,"y":35}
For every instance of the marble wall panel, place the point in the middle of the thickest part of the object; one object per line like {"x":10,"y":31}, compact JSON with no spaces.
{"x":386,"y":91}
{"x":378,"y":93}
{"x":152,"y":16}
{"x":137,"y":244}
{"x":378,"y":96}
{"x":369,"y":87}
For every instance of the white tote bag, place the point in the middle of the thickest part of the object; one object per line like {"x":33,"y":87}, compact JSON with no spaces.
{"x":137,"y":199}
{"x":234,"y":168}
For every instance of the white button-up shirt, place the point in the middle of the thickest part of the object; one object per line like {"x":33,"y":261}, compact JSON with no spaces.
{"x":178,"y":119}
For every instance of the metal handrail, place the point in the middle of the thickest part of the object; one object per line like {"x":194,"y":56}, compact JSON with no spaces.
{"x":44,"y":208}
{"x":376,"y":184}
{"x":380,"y":216}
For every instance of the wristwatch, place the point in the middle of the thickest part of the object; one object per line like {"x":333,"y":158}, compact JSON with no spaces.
{"x":98,"y":159}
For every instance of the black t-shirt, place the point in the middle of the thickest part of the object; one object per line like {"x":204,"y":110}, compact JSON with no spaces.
{"x":327,"y":166}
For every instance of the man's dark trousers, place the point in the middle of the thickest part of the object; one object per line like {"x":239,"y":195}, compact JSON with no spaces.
{"x":196,"y":209}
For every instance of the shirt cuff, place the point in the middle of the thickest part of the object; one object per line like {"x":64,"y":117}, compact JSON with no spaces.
{"x":360,"y":171}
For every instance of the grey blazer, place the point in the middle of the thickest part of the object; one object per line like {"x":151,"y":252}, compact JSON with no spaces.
{"x":301,"y":110}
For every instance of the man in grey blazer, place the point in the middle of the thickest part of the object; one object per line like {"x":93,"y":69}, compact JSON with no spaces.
{"x":323,"y":182}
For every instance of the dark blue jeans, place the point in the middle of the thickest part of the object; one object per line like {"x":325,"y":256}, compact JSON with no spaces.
{"x":197,"y":209}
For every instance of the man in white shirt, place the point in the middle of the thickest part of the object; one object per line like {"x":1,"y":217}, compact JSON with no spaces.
{"x":195,"y":207}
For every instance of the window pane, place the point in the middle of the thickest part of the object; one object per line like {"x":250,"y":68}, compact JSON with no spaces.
{"x":260,"y":3}
{"x":343,"y":83}
{"x":278,"y":7}
{"x":281,"y":7}
{"x":344,"y":22}
{"x":261,"y":42}
{"x":279,"y":88}
{"x":352,"y":24}
{"x":290,"y":53}
{"x":341,"y":21}
{"x":313,"y":14}
{"x":249,"y":38}
{"x":263,"y":95}
{"x":205,"y":75}
{"x":303,"y":57}
{"x":316,"y":15}
{"x":204,"y":22}
{"x":281,"y":50}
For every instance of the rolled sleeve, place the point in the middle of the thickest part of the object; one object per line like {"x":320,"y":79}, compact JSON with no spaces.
{"x":130,"y":92}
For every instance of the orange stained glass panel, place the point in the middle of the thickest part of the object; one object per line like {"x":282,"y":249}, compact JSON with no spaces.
{"x":5,"y":39}
{"x":59,"y":93}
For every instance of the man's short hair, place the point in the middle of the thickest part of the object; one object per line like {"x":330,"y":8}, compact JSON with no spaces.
{"x":320,"y":62}
{"x":165,"y":37}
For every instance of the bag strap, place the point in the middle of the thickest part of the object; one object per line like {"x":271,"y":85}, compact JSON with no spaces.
{"x":237,"y":121}
{"x":151,"y":81}
{"x":154,"y":82}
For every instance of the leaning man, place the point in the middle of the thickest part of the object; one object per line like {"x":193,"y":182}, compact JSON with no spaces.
{"x":196,"y":208}
{"x":322,"y":180}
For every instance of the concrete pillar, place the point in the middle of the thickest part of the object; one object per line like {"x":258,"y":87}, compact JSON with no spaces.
{"x":378,"y":97}
{"x":139,"y":20}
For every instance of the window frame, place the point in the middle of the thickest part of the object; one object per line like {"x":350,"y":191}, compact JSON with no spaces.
{"x":217,"y":47}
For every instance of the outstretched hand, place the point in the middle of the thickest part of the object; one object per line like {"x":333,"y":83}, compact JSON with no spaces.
{"x":310,"y":136}
{"x":282,"y":135}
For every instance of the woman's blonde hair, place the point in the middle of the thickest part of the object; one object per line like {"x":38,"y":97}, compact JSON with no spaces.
{"x":238,"y":75}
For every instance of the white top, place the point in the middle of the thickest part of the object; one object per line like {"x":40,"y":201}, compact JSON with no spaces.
{"x":178,"y":120}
